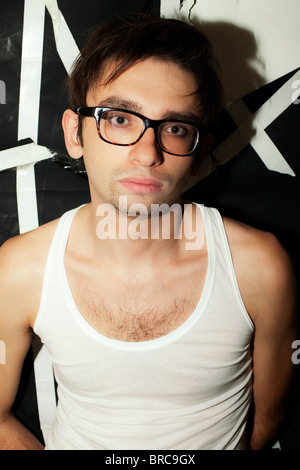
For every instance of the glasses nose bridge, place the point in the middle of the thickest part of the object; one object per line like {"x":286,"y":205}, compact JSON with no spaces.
{"x":151,"y":124}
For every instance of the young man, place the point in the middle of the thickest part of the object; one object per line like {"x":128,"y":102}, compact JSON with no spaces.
{"x":156,"y":344}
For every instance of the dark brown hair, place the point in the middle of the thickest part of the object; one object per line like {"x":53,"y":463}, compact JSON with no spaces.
{"x":128,"y":39}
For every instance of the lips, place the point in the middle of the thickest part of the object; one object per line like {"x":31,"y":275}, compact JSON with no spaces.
{"x":141,"y":185}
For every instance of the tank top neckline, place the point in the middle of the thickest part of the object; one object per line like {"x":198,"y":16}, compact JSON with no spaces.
{"x":163,"y":340}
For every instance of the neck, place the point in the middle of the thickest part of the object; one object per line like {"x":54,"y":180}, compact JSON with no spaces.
{"x":145,"y":237}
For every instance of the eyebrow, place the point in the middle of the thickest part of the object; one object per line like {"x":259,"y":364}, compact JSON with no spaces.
{"x":129,"y":105}
{"x":122,"y":103}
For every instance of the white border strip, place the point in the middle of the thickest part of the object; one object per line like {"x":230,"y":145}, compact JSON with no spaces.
{"x":22,"y":155}
{"x":29,"y":106}
{"x":65,"y":43}
{"x":45,"y":386}
{"x":26,"y":198}
{"x":31,"y":69}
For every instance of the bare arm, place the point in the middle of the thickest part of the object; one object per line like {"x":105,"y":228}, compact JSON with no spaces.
{"x":15,"y":436}
{"x":15,"y":332}
{"x":274,"y":313}
{"x":266,"y":279}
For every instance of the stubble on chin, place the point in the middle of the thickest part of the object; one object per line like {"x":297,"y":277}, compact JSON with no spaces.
{"x":132,"y":205}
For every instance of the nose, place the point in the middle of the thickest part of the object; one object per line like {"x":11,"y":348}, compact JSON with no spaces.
{"x":146,"y":152}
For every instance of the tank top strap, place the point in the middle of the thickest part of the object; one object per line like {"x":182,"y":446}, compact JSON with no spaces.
{"x":218,"y":244}
{"x":217,"y":237}
{"x":61,"y":235}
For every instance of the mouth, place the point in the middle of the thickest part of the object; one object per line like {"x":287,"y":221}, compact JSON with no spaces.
{"x":141,"y":185}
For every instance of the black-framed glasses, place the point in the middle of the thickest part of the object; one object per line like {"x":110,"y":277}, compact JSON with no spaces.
{"x":125,"y":128}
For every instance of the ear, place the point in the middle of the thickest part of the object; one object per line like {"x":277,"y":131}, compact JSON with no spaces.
{"x":70,"y":128}
{"x":204,"y":151}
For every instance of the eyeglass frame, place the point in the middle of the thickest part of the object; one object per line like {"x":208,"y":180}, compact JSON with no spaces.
{"x":97,"y":111}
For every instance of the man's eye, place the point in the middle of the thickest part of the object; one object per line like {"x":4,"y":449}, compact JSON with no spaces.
{"x":175,"y":130}
{"x":118,"y":121}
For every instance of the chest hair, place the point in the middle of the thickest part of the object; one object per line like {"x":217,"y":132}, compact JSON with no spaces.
{"x":136,"y":312}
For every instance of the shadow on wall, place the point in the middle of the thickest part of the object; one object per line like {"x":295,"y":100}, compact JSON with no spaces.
{"x":242,"y":68}
{"x":242,"y":72}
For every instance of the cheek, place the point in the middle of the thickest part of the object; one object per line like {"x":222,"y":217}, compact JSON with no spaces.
{"x":89,"y":133}
{"x":182,"y":168}
{"x":101,"y":159}
{"x":93,"y":152}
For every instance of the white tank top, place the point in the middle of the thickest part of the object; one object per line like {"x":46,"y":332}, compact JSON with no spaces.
{"x":189,"y":389}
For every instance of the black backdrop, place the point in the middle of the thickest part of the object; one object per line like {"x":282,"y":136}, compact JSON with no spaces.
{"x":243,"y":188}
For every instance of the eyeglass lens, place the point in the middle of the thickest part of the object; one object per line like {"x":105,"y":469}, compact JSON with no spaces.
{"x":124,"y":128}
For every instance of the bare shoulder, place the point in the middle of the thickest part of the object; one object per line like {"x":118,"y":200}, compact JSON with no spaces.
{"x":250,"y":242}
{"x":264,"y":269}
{"x":22,"y":264}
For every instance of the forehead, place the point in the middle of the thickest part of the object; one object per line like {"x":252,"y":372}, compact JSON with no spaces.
{"x":154,"y":86}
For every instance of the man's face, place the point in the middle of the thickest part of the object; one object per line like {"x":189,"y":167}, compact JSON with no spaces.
{"x":142,"y":172}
